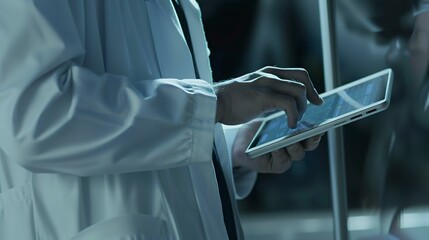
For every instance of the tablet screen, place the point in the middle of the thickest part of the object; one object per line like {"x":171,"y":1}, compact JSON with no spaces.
{"x":335,"y":105}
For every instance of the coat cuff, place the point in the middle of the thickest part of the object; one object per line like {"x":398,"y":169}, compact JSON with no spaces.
{"x":203,"y":121}
{"x":244,"y":179}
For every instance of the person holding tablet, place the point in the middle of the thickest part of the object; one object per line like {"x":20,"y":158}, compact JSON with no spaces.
{"x":108,"y":117}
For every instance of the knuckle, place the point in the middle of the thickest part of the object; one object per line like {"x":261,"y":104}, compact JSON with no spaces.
{"x":301,"y":86}
{"x":264,"y":77}
{"x":260,"y":74}
{"x":263,"y":70}
{"x":302,"y":74}
{"x":269,"y":108}
{"x":257,"y":77}
{"x":302,"y":71}
{"x":270,"y":104}
{"x":267,"y":68}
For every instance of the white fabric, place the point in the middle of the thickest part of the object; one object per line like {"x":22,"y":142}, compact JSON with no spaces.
{"x":246,"y":178}
{"x":104,"y":132}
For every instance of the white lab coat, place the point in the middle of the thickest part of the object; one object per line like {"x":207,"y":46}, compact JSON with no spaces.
{"x":104,"y":131}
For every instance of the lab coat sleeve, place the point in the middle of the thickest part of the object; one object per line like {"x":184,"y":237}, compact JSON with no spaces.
{"x":243,"y":179}
{"x":56,"y":116}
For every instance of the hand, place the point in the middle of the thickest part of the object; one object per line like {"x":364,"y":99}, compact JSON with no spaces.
{"x":278,"y":161}
{"x":242,"y":99}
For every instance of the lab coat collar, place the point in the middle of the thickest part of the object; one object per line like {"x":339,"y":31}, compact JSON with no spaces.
{"x":174,"y":57}
{"x":201,"y":51}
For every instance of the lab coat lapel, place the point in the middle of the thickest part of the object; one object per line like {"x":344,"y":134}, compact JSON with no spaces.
{"x":222,"y":151}
{"x":193,"y":16}
{"x":174,"y":57}
{"x":175,"y":60}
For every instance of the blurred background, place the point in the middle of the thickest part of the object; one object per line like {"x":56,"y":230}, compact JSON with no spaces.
{"x":386,"y":155}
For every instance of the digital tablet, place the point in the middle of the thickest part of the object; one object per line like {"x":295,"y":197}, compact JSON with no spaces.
{"x":348,"y":103}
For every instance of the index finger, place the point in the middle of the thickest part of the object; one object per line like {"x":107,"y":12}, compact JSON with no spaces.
{"x":299,"y":75}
